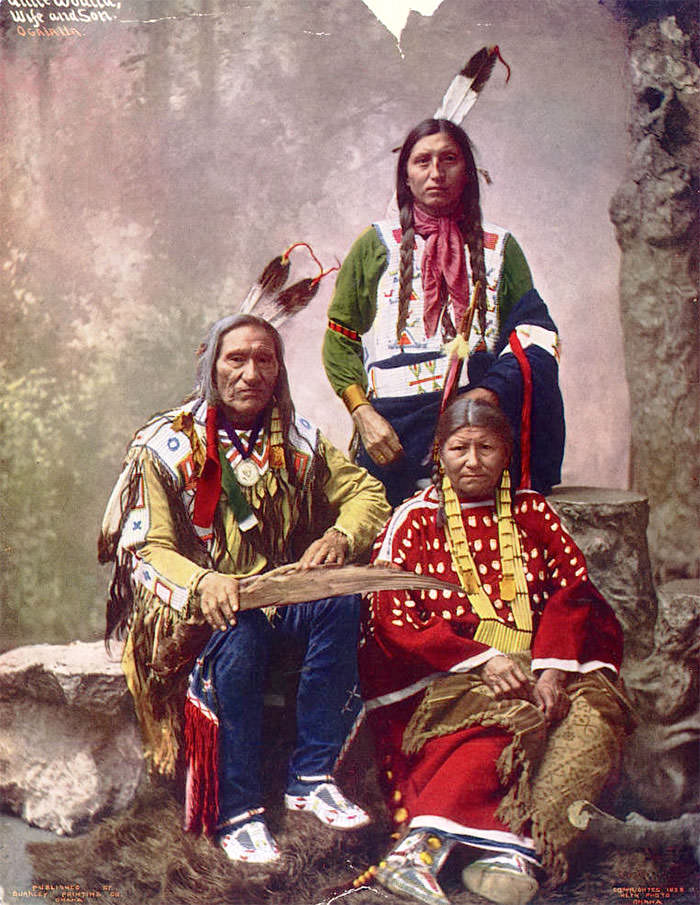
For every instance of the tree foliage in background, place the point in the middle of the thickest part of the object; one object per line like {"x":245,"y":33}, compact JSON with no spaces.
{"x":50,"y":408}
{"x":70,"y":399}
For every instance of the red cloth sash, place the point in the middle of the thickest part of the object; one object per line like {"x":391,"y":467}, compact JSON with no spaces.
{"x":209,"y":483}
{"x":526,"y":411}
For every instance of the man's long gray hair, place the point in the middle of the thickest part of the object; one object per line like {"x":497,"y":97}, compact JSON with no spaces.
{"x":209,"y":354}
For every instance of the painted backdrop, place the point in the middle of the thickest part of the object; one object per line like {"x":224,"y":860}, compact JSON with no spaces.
{"x":155,"y":154}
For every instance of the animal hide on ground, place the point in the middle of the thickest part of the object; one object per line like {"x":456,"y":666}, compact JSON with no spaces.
{"x":148,"y":859}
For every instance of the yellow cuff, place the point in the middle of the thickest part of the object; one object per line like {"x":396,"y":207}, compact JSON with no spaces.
{"x":354,"y":396}
{"x":194,"y":582}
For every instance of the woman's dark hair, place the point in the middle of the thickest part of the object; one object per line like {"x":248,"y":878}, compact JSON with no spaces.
{"x":469,"y":214}
{"x":467,"y":412}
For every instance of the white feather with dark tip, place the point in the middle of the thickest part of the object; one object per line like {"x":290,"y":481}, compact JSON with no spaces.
{"x":464,"y":89}
{"x":272,"y":279}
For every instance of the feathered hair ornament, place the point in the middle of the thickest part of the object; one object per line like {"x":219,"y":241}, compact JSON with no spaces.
{"x":464,"y":89}
{"x":267,"y":297}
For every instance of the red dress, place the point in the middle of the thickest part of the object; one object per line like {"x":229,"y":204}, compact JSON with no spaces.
{"x":412,"y":637}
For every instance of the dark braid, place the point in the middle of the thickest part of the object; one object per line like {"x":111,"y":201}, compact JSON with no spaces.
{"x":405,"y":266}
{"x":474,"y":235}
{"x":436,"y":478}
{"x":469,"y":214}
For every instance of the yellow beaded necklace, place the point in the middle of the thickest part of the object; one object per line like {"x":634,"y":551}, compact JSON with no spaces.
{"x":492,"y":630}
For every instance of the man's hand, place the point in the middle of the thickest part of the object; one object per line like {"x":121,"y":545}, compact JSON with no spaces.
{"x":219,"y":603}
{"x":378,"y":437}
{"x":332,"y":548}
{"x":550,"y":696}
{"x":506,"y":679}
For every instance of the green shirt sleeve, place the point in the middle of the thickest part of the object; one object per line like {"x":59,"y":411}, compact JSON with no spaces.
{"x":516,"y":278}
{"x":354,"y":303}
{"x":353,"y":307}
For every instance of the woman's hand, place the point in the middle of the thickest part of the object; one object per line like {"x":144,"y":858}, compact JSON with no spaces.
{"x":378,"y":437}
{"x":506,"y":679}
{"x":550,"y":695}
{"x":218,"y":596}
{"x":330,"y":549}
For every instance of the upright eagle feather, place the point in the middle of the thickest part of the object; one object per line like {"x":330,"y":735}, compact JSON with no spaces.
{"x":463,"y":91}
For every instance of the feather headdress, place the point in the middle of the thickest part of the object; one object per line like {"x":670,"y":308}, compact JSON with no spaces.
{"x":464,"y":89}
{"x":267,"y":297}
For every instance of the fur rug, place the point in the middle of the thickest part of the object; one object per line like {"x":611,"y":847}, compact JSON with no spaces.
{"x":148,"y":860}
{"x":145,"y":855}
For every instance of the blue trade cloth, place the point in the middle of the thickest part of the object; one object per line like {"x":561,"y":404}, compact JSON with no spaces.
{"x":230,"y":678}
{"x":505,"y":379}
{"x":414,"y":418}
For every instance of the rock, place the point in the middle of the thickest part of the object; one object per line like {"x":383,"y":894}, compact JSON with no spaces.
{"x":662,"y":762}
{"x":610,"y":528}
{"x":662,"y":632}
{"x":70,"y":750}
{"x":655,"y":213}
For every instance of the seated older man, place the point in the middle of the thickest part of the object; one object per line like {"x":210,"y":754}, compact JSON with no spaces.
{"x":231,"y":484}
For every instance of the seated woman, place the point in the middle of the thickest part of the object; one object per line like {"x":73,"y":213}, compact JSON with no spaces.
{"x":495,"y":705}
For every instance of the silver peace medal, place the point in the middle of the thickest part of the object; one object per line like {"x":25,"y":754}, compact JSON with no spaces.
{"x":247,"y":473}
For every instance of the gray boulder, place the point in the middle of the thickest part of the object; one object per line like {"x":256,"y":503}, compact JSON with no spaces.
{"x":655,"y":213}
{"x":662,"y":639}
{"x":662,"y":762}
{"x":70,"y":750}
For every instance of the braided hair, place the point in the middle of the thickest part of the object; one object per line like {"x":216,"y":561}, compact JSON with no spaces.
{"x":469,"y":216}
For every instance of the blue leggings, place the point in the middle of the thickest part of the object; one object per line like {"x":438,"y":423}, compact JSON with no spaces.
{"x":232,"y":678}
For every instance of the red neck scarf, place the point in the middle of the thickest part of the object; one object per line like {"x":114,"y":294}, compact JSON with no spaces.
{"x":443,"y":258}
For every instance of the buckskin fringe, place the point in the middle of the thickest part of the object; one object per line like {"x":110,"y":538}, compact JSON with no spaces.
{"x":158,"y":696}
{"x":160,"y":720}
{"x":201,"y":740}
{"x":120,"y":598}
{"x":543,"y":772}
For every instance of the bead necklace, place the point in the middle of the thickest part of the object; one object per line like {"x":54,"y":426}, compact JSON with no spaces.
{"x":513,"y":586}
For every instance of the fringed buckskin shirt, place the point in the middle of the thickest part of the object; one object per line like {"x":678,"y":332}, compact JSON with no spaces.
{"x":160,"y":557}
